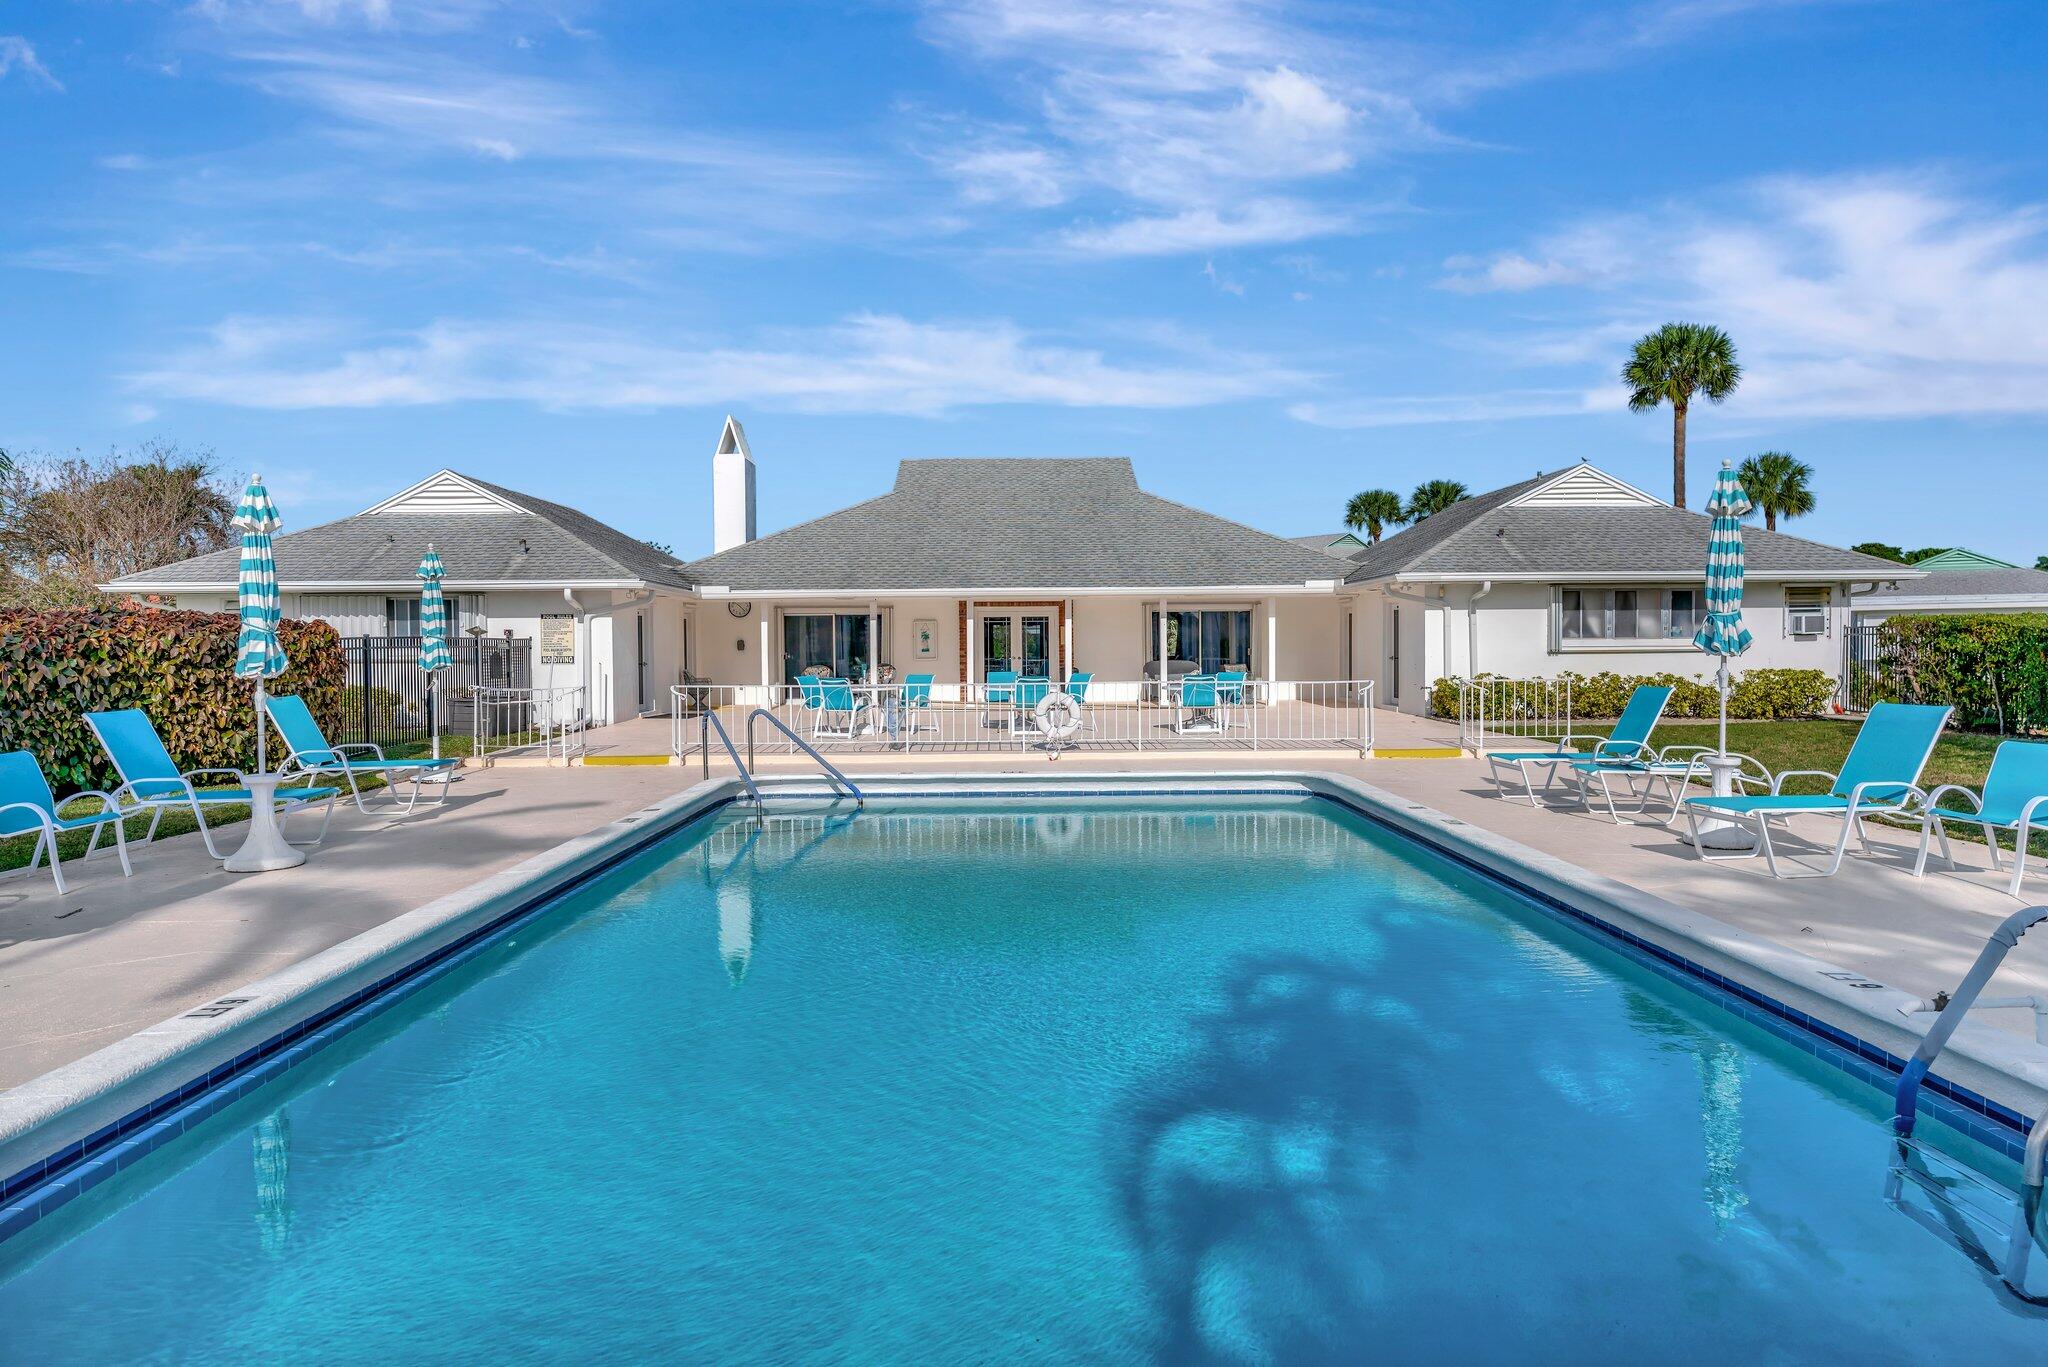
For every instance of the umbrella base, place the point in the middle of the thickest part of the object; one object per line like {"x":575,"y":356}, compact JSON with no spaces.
{"x":264,"y":850}
{"x":1715,"y":833}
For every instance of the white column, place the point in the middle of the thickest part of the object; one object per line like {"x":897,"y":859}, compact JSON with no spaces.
{"x":1067,"y":636}
{"x":1273,"y":638}
{"x":973,"y":649}
{"x":874,"y":643}
{"x":767,"y":668}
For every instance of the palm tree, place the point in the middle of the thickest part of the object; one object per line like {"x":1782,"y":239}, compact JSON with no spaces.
{"x":1672,"y":364}
{"x":1433,"y":497}
{"x":1372,"y":511}
{"x":1777,"y":485}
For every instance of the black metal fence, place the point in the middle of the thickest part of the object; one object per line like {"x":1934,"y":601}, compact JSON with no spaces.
{"x":1870,"y":658}
{"x":384,"y":698}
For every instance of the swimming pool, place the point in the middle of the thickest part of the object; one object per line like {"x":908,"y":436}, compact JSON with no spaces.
{"x":1054,"y":1079}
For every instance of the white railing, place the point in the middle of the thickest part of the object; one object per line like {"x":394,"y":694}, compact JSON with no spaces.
{"x":1491,"y":710}
{"x":1113,"y":715}
{"x":547,"y":721}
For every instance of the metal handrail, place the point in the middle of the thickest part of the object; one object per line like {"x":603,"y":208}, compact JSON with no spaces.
{"x":762,"y":713}
{"x":1905,"y":1102}
{"x":712,"y":723}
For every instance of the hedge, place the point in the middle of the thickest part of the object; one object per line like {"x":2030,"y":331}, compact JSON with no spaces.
{"x":1756,"y":694}
{"x":176,"y":666}
{"x":1992,"y":667}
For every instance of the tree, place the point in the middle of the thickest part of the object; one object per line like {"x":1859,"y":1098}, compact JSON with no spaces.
{"x":1433,"y":497}
{"x":69,"y":524}
{"x":1777,"y":486}
{"x":2041,"y":562}
{"x":1882,"y":550}
{"x":1373,"y":511}
{"x":1671,"y":365}
{"x":1925,"y":553}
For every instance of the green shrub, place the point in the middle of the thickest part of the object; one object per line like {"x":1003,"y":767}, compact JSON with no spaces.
{"x":1992,"y":667}
{"x":1756,"y":694}
{"x":176,"y":666}
{"x":379,"y":705}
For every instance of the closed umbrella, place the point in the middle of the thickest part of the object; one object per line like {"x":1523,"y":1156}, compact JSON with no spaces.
{"x":1722,"y":634}
{"x":258,"y":654}
{"x":434,"y":654}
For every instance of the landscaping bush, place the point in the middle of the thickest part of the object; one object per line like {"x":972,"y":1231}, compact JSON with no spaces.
{"x":1992,"y":667}
{"x":176,"y":666}
{"x":379,"y":705}
{"x":1756,"y":694}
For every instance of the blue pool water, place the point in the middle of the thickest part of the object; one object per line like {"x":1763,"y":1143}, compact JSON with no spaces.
{"x":1249,"y":1081}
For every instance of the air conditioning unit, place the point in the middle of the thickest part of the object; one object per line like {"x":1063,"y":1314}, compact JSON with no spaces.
{"x":1806,"y":612}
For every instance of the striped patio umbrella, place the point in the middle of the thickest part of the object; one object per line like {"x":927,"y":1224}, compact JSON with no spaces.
{"x":258,"y":655}
{"x":1723,"y":634}
{"x":434,"y":654}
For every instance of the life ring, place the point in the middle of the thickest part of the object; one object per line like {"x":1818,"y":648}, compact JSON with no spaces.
{"x":1058,"y":714}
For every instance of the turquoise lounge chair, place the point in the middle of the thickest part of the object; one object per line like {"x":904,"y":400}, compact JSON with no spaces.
{"x":1629,"y":741}
{"x":312,"y":755}
{"x":151,"y":781}
{"x":27,"y":805}
{"x":1881,"y":777}
{"x":2015,"y":791}
{"x":1671,"y":770}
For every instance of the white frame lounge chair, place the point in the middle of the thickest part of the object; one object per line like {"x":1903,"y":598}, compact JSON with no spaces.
{"x":1675,"y":766}
{"x":1629,"y":742}
{"x":25,"y":789}
{"x":310,"y":754}
{"x":2015,"y":793}
{"x":151,"y":781}
{"x":1881,"y":777}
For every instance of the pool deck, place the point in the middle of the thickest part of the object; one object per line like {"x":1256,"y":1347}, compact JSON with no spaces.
{"x":117,"y":955}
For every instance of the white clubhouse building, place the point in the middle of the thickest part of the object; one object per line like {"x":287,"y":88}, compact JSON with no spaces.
{"x":1049,"y":566}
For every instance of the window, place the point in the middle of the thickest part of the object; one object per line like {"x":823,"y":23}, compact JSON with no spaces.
{"x":464,"y":610}
{"x":837,"y":641}
{"x":1598,"y":618}
{"x":1806,"y":612}
{"x":1214,"y":638}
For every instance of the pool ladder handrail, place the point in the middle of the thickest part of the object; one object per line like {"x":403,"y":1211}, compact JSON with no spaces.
{"x":712,"y":723}
{"x":1905,"y":1102}
{"x":831,"y":769}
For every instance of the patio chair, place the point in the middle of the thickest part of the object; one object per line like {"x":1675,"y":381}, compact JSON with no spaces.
{"x":28,"y":806}
{"x":811,"y":695}
{"x":2015,"y":791}
{"x":1672,"y":770}
{"x":1031,"y":689}
{"x":1077,"y":689}
{"x":1229,"y":693}
{"x":1630,"y":740}
{"x":1880,"y":777}
{"x":1195,"y":706}
{"x":312,"y":755}
{"x":914,"y":702}
{"x":837,"y":699}
{"x":999,"y":691}
{"x":152,"y":782}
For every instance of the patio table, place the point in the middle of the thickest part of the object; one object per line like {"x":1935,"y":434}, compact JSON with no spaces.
{"x":264,"y":849}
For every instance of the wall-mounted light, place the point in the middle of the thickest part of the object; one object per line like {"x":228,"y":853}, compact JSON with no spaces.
{"x":740,"y":645}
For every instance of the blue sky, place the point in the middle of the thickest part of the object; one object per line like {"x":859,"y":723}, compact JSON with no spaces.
{"x":1274,"y":252}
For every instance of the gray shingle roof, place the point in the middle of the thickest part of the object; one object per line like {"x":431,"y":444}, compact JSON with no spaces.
{"x":546,"y":544}
{"x":1484,"y":536}
{"x":2015,"y":583}
{"x":1013,"y":523}
{"x":1336,"y":545}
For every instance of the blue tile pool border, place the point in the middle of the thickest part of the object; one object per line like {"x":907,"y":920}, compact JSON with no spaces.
{"x":42,"y":1187}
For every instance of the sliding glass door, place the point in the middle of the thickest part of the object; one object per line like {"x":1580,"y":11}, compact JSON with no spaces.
{"x":835,"y":641}
{"x":1213,"y":638}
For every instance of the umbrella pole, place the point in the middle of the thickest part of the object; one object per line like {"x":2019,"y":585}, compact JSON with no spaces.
{"x":261,"y":766}
{"x":433,"y":720}
{"x":1724,"y":707}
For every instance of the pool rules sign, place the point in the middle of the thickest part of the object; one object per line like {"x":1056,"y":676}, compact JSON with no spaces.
{"x":557,"y":638}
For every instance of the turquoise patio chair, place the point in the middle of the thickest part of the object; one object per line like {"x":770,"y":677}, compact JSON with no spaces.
{"x":2015,"y":791}
{"x":1031,"y":689}
{"x":1881,"y":777}
{"x":1000,"y":690}
{"x":28,"y":806}
{"x":1629,"y":741}
{"x":811,"y":694}
{"x":1230,"y":685}
{"x":152,"y":782}
{"x":1077,"y":689}
{"x":1195,"y":705}
{"x":916,"y":703}
{"x":312,"y":755}
{"x":837,"y":699}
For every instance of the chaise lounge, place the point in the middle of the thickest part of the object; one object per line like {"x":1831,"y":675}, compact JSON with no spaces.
{"x":152,"y":781}
{"x":313,"y":756}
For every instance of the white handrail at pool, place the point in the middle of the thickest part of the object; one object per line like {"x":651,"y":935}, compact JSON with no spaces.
{"x":763,"y":714}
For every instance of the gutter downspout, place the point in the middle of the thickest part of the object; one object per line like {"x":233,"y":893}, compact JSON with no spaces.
{"x":1472,"y":626}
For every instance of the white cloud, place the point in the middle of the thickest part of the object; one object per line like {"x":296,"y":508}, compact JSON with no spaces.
{"x":1411,"y":409}
{"x":17,"y":54}
{"x":1195,"y":230}
{"x":995,"y":174}
{"x":1870,"y":296}
{"x":871,"y":363}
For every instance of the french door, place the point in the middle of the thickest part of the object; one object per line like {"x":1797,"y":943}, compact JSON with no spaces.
{"x":1019,"y":643}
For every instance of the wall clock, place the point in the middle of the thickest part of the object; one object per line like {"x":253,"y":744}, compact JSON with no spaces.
{"x":739,"y":609}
